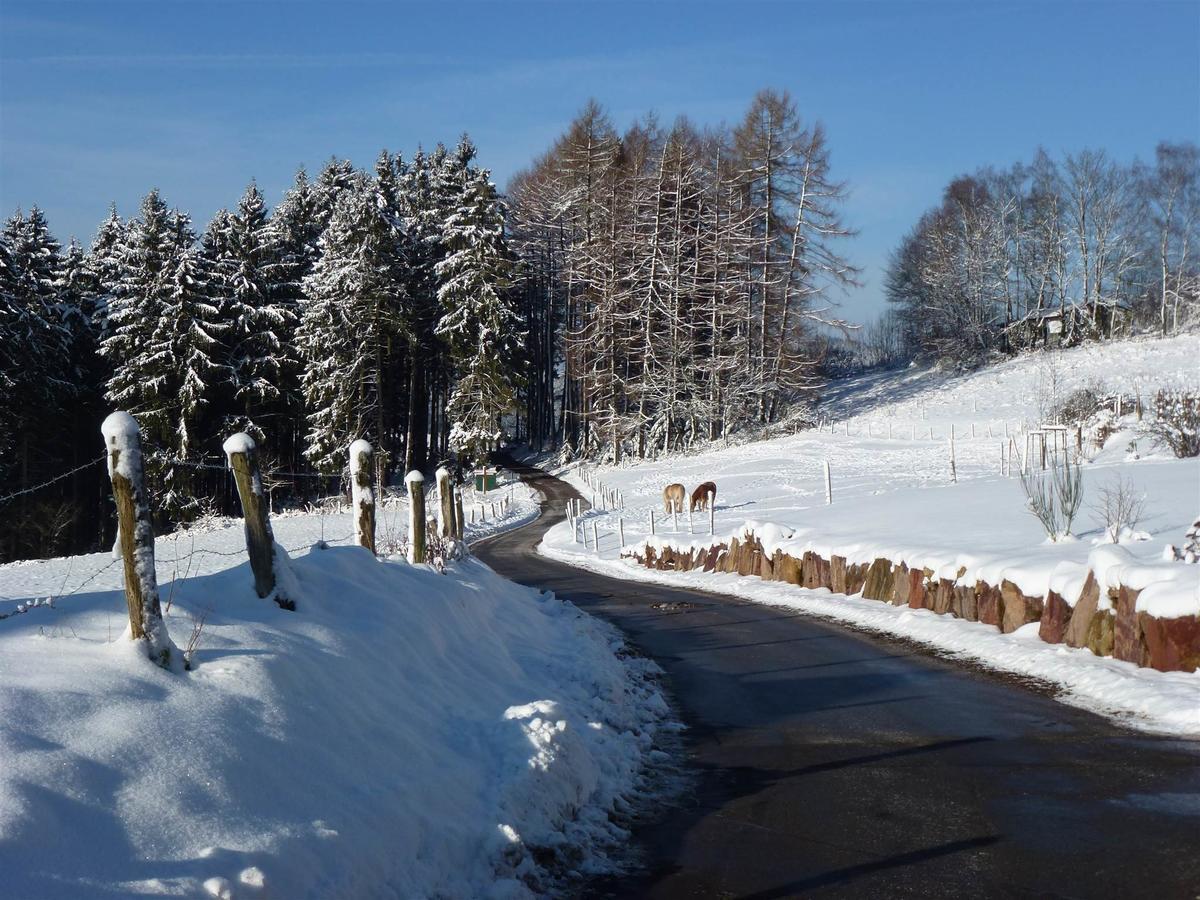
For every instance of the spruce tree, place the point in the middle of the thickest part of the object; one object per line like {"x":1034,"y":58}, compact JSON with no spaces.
{"x":352,"y":324}
{"x":478,"y":321}
{"x":140,"y":382}
{"x":261,"y":324}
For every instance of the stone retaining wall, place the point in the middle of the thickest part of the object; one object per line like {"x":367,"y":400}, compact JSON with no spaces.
{"x":1122,"y":632}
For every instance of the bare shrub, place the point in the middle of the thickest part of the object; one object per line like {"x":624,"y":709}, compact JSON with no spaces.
{"x":1039,"y":499}
{"x":1054,"y":497}
{"x":1068,"y":490}
{"x":1048,"y":391}
{"x":193,"y":641}
{"x":1176,"y":421}
{"x":1119,"y":507}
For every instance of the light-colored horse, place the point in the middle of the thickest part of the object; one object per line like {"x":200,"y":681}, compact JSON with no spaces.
{"x":673,"y":496}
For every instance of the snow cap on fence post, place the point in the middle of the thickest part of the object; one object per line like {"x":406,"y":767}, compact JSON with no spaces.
{"x":260,"y":541}
{"x":362,"y":492}
{"x":135,"y":536}
{"x":415,"y":482}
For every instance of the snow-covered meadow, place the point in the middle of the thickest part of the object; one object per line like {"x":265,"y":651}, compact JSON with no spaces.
{"x":402,"y":733}
{"x":893,"y":497}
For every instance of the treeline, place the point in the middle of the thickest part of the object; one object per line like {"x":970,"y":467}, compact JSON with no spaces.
{"x":671,"y":276}
{"x":367,"y":304}
{"x":1111,"y":247}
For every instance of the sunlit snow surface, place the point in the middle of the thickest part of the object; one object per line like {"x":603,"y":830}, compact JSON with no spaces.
{"x":403,"y":733}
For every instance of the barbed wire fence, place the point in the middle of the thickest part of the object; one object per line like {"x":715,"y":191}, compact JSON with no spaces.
{"x":177,"y":567}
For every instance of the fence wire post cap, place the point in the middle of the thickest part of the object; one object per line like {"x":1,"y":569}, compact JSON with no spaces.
{"x":357,"y":447}
{"x":119,"y":424}
{"x":414,"y":477}
{"x":238,"y":443}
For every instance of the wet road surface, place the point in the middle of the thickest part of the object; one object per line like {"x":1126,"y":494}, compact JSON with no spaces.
{"x":833,"y":763}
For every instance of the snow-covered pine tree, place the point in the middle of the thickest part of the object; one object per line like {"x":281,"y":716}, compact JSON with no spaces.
{"x":352,"y":323}
{"x":422,"y":225}
{"x":294,"y":231}
{"x":478,"y":320}
{"x":188,"y":337}
{"x":262,"y":325}
{"x":37,"y":379}
{"x":140,"y":381}
{"x":33,"y":323}
{"x":104,"y":262}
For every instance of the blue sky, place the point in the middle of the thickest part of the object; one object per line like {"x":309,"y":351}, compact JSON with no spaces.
{"x":101,"y":101}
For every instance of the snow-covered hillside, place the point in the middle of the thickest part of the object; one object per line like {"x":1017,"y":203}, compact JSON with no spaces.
{"x":888,"y":450}
{"x":403,"y":733}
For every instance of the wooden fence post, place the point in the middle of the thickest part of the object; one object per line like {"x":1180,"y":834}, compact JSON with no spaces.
{"x":362,"y":493}
{"x":828,"y":484}
{"x":595,"y":537}
{"x":415,"y":482}
{"x":712,"y":516}
{"x":260,"y":542}
{"x":459,"y":530}
{"x":446,"y":502}
{"x":953,"y":469}
{"x":652,"y":521}
{"x":621,"y":531}
{"x":135,"y":535}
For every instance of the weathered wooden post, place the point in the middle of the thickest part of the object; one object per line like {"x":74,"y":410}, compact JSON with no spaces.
{"x":135,"y":535}
{"x":621,"y":531}
{"x":446,"y":502}
{"x":415,"y":482}
{"x":828,"y":484}
{"x":595,"y":537}
{"x":362,"y":493}
{"x":712,"y":516}
{"x":652,"y":521}
{"x":459,"y":530}
{"x":260,"y":541}
{"x":953,"y":469}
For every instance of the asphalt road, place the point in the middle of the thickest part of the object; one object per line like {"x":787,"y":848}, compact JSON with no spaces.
{"x":832,"y":763}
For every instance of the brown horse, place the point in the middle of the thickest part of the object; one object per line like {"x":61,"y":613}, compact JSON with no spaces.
{"x":673,"y":495}
{"x":703,"y":496}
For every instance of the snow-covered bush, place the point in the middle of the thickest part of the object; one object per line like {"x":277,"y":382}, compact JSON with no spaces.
{"x":1176,"y":421}
{"x":1079,"y":406}
{"x":1190,"y":552}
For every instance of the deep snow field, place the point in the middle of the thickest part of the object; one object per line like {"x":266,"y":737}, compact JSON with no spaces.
{"x":893,"y":497}
{"x":403,"y":733}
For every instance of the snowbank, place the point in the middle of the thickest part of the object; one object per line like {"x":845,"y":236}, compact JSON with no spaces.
{"x":403,"y":733}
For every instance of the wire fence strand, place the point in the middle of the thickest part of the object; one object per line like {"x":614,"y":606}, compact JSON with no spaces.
{"x":54,"y":480}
